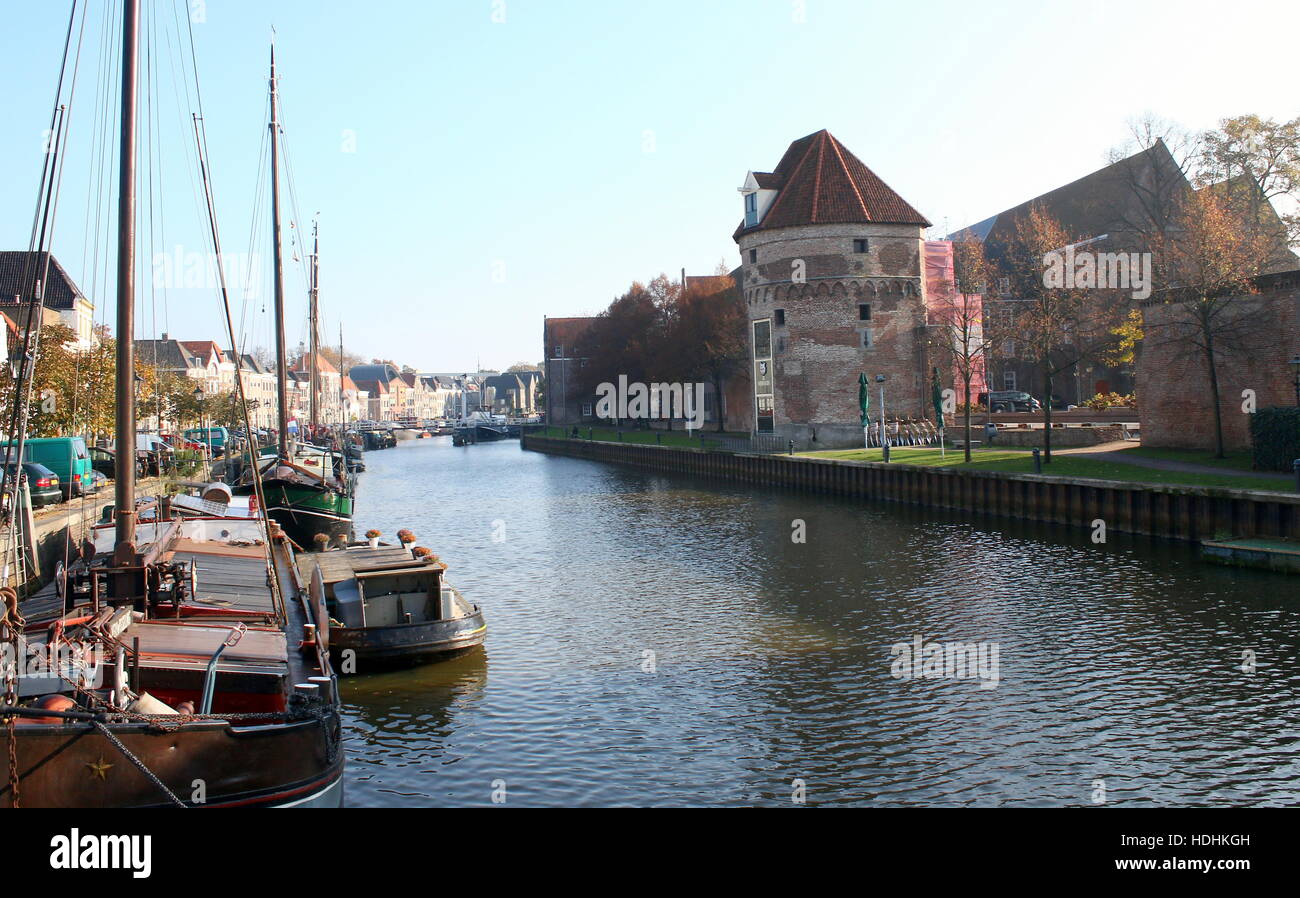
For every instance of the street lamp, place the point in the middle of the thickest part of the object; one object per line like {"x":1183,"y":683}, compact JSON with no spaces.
{"x":1295,"y":369}
{"x":198,"y":400}
{"x":884,"y":442}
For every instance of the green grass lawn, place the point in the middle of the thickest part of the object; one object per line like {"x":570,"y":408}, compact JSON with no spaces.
{"x":1007,"y":461}
{"x":1021,"y":462}
{"x":1240,"y":461}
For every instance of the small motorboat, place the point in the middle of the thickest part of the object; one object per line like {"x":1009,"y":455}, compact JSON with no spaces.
{"x":388,"y":605}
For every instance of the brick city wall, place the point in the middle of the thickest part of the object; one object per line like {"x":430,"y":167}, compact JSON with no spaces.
{"x":1173,"y":386}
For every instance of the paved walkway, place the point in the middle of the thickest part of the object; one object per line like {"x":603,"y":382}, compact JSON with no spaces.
{"x":1114,"y":452}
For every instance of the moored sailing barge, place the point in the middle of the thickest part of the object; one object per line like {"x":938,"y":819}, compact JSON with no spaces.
{"x":173,"y":663}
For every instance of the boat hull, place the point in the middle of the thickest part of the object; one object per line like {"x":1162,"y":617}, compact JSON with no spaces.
{"x":208,"y":764}
{"x":406,"y":643}
{"x":303,"y":512}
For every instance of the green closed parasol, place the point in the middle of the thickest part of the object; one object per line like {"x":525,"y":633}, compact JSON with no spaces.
{"x":864,"y":398}
{"x":936,"y":396}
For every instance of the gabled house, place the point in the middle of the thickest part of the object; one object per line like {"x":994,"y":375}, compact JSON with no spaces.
{"x":330,"y":380}
{"x":18,"y":270}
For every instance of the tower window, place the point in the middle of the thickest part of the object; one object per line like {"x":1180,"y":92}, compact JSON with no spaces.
{"x":751,"y":209}
{"x":780,"y":316}
{"x":860,"y":245}
{"x":864,"y":311}
{"x":753,"y":255}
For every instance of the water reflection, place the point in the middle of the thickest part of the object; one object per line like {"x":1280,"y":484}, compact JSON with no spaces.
{"x":662,"y":640}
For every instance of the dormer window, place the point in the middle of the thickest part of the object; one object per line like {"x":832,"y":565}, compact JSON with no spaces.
{"x":751,"y":209}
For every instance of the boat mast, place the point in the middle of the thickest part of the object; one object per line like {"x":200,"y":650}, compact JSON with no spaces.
{"x":343,"y":418}
{"x":314,"y":325}
{"x":124,"y":474}
{"x":281,"y":365}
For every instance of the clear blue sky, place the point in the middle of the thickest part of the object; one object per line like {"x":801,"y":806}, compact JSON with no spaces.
{"x":578,"y":146}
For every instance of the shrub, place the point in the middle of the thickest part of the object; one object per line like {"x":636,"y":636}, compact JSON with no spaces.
{"x":1103,"y":401}
{"x":1275,"y":437}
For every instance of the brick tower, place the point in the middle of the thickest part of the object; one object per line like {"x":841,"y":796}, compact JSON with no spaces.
{"x":832,"y":269}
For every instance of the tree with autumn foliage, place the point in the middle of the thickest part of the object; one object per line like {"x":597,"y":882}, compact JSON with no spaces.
{"x":658,"y":333}
{"x":959,"y":310}
{"x":1058,"y":321}
{"x":1212,"y":262}
{"x":629,"y":337}
{"x":708,"y":339}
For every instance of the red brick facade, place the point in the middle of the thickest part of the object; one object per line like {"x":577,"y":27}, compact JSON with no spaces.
{"x":1172,"y":380}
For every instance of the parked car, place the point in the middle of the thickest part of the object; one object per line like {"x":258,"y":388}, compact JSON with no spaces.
{"x":214,"y":438}
{"x":1009,"y":401}
{"x":176,"y":441}
{"x":42,"y":483}
{"x":68,"y":457}
{"x":104,"y":461}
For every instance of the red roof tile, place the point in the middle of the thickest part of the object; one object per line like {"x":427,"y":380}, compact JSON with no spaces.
{"x":821,"y":182}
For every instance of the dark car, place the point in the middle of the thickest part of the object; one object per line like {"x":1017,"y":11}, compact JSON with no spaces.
{"x":1009,"y":401}
{"x":105,"y":462}
{"x":42,"y":483}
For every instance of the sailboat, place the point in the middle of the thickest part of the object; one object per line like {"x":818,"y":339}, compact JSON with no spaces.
{"x":174,"y":662}
{"x":308,"y":489}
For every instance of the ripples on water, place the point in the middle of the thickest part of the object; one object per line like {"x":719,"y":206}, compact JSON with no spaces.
{"x":1119,"y":662}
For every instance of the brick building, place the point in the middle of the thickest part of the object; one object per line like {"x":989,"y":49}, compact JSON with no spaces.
{"x":1108,"y":210}
{"x":832,"y":271}
{"x":1173,"y":384}
{"x":566,"y":402}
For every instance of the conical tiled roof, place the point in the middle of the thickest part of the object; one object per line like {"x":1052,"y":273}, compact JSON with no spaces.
{"x":821,"y":182}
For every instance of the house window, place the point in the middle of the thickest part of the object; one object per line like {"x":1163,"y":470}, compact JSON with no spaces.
{"x":586,"y":410}
{"x":780,"y":316}
{"x":1008,"y":380}
{"x":864,"y":311}
{"x":753,"y":255}
{"x":1004,"y":286}
{"x":860,"y":245}
{"x":559,"y":351}
{"x":762,"y":339}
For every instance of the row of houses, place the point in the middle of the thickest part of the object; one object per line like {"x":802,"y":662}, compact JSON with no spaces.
{"x":375,"y":392}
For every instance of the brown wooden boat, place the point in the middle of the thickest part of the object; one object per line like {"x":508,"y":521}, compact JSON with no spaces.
{"x":204,"y":622}
{"x":174,"y":662}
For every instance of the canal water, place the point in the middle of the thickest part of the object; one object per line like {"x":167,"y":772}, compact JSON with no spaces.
{"x":661,"y":640}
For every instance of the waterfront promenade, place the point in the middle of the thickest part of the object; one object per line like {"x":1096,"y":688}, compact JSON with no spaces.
{"x":1174,"y":510}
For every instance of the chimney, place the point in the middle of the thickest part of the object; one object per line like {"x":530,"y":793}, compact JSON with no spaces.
{"x":164,"y":335}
